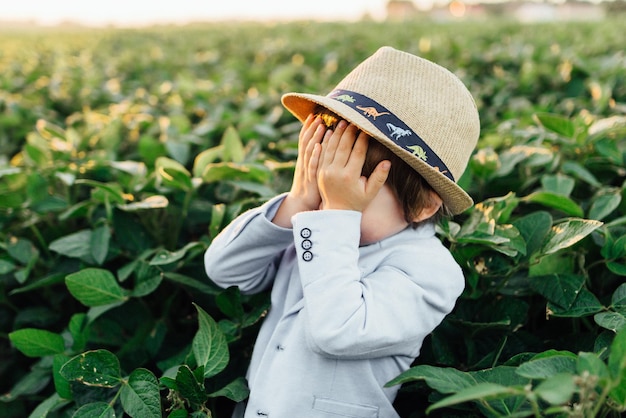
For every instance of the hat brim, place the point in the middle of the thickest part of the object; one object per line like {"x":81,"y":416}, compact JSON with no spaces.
{"x":453,"y":196}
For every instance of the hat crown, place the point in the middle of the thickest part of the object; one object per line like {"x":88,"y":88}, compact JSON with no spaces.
{"x":428,"y":98}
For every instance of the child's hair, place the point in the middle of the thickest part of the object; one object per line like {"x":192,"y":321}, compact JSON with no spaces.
{"x":411,"y":189}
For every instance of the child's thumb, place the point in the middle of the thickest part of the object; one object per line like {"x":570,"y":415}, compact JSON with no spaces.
{"x":377,"y":178}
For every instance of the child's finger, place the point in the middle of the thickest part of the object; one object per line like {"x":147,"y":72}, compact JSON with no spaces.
{"x":307,"y":131}
{"x":358,"y":152}
{"x":329,"y":146}
{"x":344,"y":146}
{"x":316,"y":138}
{"x":313,"y":162}
{"x":305,"y":127}
{"x":377,"y":179}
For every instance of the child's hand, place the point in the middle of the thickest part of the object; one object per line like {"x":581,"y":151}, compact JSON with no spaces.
{"x":339,"y":172}
{"x":304,"y":194}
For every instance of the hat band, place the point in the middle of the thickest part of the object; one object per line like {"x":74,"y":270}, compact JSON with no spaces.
{"x":393,"y":127}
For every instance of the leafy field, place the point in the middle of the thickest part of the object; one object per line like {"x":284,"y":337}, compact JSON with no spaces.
{"x":123,"y":152}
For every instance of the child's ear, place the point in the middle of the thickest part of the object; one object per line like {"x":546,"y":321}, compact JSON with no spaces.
{"x":434,"y":203}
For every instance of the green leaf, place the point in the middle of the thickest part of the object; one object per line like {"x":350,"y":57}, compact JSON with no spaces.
{"x":164,"y":257}
{"x":557,"y":124}
{"x":152,"y":202}
{"x":50,"y":131}
{"x":95,"y":287}
{"x":29,"y":384}
{"x":61,"y":384}
{"x":617,"y":368}
{"x":103,"y":192}
{"x":189,"y":387}
{"x":444,"y":380}
{"x":140,"y":396}
{"x":477,"y":392}
{"x":618,"y":393}
{"x":558,"y":184}
{"x":616,"y":268}
{"x":6,"y":267}
{"x":568,"y":233}
{"x":617,"y":356}
{"x":543,"y":368}
{"x":79,"y":329}
{"x":50,"y":204}
{"x":237,"y":390}
{"x":234,"y":171}
{"x":150,"y":149}
{"x":207,"y":288}
{"x":233,"y":147}
{"x":613,"y":321}
{"x":209,"y":345}
{"x":560,"y":289}
{"x":617,"y":248}
{"x":603,"y":205}
{"x":555,"y":201}
{"x":618,"y":300}
{"x":37,"y":342}
{"x":608,"y":148}
{"x":557,"y":389}
{"x":99,"y":368}
{"x":95,"y":410}
{"x":43,"y":409}
{"x":76,"y":245}
{"x":38,"y":155}
{"x":44,"y":282}
{"x":22,"y":250}
{"x":575,"y":169}
{"x":178,"y":413}
{"x":217,"y":218}
{"x":255,"y":187}
{"x":534,"y":227}
{"x":487,"y":214}
{"x":484,"y":162}
{"x":591,"y":363}
{"x":229,"y":302}
{"x":146,"y":284}
{"x":173,"y":174}
{"x":206,"y":157}
{"x":586,"y":303}
{"x":503,"y":375}
{"x":99,"y":243}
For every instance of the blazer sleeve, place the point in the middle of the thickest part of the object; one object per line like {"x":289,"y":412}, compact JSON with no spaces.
{"x":386,"y":312}
{"x":246,"y":252}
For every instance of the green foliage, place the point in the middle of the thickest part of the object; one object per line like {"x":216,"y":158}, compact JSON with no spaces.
{"x":124,"y":152}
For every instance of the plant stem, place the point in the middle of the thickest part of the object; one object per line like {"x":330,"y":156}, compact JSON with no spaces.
{"x":40,"y":239}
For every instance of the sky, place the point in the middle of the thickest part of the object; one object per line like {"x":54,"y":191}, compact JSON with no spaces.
{"x":145,"y":12}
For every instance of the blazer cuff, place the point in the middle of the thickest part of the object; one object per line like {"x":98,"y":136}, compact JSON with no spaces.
{"x":325,"y":238}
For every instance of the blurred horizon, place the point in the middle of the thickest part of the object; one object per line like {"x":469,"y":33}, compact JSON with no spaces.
{"x":137,"y":13}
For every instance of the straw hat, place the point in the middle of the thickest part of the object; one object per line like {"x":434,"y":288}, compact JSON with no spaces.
{"x":419,"y":110}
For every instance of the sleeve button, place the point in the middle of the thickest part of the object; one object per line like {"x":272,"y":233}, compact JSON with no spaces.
{"x":307,"y":256}
{"x":305,"y":233}
{"x":307,"y":244}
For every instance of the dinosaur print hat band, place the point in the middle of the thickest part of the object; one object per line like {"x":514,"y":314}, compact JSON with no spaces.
{"x":419,"y":110}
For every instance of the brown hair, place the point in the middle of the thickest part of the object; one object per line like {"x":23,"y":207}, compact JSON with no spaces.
{"x":413,"y":192}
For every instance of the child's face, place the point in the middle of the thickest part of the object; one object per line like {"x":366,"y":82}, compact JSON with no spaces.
{"x":382,"y":218}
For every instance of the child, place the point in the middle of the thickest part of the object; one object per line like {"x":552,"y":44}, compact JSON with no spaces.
{"x":358,"y":277}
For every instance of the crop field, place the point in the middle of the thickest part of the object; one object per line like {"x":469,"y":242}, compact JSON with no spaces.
{"x":123,"y":152}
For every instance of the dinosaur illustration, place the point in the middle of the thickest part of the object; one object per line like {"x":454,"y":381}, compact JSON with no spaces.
{"x":371,"y":111}
{"x":418,"y":151}
{"x":397,"y":132}
{"x":440,"y":170}
{"x":345,"y":98}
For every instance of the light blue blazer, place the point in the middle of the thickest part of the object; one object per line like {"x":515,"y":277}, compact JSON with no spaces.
{"x":344,"y":319}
